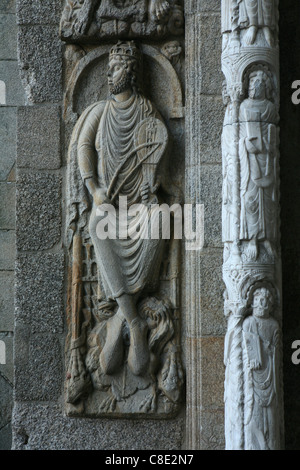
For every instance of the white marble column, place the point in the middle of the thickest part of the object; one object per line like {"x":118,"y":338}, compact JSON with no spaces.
{"x":250,"y":217}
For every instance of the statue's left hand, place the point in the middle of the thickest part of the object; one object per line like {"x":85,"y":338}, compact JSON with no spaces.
{"x":99,"y":196}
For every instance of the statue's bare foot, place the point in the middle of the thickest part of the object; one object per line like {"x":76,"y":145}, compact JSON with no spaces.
{"x":81,"y":24}
{"x":138,"y":357}
{"x":252,"y":249}
{"x":111,"y":356}
{"x":250,"y":36}
{"x":268,"y":248}
{"x":269,"y":36}
{"x":159,"y":10}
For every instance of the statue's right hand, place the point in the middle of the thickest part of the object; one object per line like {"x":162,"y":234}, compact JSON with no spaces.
{"x":250,"y":145}
{"x":99,"y":196}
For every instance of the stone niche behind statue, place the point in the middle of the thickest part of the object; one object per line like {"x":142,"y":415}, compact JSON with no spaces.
{"x":123,"y":348}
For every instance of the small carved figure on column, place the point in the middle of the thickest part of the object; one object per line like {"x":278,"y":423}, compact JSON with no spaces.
{"x":258,"y":165}
{"x":261,"y":371}
{"x":251,"y":15}
{"x":259,"y":14}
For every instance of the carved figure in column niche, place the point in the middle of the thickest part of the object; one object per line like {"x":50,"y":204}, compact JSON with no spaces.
{"x":258,"y":149}
{"x":261,"y":372}
{"x":250,"y":14}
{"x":259,"y":14}
{"x":121,"y":146}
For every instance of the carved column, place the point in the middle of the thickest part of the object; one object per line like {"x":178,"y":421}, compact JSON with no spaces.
{"x":251,"y":269}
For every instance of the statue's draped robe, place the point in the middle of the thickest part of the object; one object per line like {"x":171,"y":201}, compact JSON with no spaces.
{"x":261,"y":340}
{"x":245,"y":13}
{"x":261,"y":13}
{"x":229,"y":211}
{"x":125,"y":265}
{"x":258,"y":170}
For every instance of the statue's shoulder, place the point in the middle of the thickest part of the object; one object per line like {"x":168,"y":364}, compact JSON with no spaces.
{"x":249,"y":323}
{"x":95,"y":109}
{"x":92,"y":112}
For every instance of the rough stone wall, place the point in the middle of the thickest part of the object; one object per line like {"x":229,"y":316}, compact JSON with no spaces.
{"x":11,"y":96}
{"x":203,"y":280}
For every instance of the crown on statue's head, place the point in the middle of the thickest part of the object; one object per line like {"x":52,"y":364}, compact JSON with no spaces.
{"x":126,"y":49}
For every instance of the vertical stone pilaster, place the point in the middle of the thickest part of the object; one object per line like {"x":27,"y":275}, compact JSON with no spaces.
{"x":192,"y":193}
{"x":203,"y":284}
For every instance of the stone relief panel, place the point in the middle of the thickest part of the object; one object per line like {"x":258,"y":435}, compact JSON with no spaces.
{"x":85,"y":20}
{"x":250,"y":220}
{"x":123,"y":352}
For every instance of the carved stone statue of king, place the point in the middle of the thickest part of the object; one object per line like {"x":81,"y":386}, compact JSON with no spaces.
{"x":120,"y":146}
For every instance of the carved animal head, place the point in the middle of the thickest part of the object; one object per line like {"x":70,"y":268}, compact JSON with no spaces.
{"x":157,"y":313}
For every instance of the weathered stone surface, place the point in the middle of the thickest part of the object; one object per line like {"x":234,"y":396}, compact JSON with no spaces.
{"x":42,"y":276}
{"x":210,"y":51}
{"x":6,"y":402}
{"x":211,"y":116}
{"x":38,"y":211}
{"x":7,"y":301}
{"x":8,"y":6}
{"x":40,"y":63}
{"x":210,"y":123}
{"x":38,"y":137}
{"x":212,"y":430}
{"x":38,"y":12}
{"x":8,"y":37}
{"x":6,"y":437}
{"x":211,"y":197}
{"x":60,"y":432}
{"x":6,"y":370}
{"x":8,"y":124}
{"x":38,"y":366}
{"x":7,"y":208}
{"x":212,"y":318}
{"x":196,"y":6}
{"x":7,"y":253}
{"x":9,"y":73}
{"x":212,"y":372}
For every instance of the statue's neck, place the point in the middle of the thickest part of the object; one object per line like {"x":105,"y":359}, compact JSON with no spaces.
{"x":124,"y":96}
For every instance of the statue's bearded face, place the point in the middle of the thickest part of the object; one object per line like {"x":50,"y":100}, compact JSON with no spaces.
{"x":262,"y":303}
{"x":257,"y":89}
{"x":119,"y":78}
